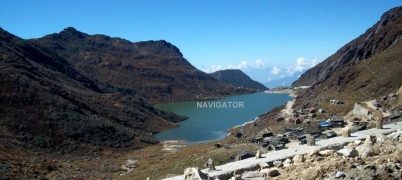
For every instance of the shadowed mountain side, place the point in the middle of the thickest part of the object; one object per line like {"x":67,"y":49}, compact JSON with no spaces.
{"x":155,"y":69}
{"x":45,"y":102}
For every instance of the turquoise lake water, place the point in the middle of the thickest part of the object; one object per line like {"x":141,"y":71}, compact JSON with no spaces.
{"x":209,"y":120}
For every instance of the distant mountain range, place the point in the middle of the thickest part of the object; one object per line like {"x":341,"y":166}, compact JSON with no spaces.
{"x":367,"y":67}
{"x":69,"y":88}
{"x":238,"y":78}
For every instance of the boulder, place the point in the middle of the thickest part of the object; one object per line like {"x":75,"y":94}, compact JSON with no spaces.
{"x":258,"y":154}
{"x":277,"y":163}
{"x":210,"y":164}
{"x":357,"y":142}
{"x":327,"y":152}
{"x":346,"y":132}
{"x":395,"y":135}
{"x":298,"y":159}
{"x":365,"y":150}
{"x":194,"y":173}
{"x":314,"y":152}
{"x":340,"y":174}
{"x":287,"y":163}
{"x":381,"y":138}
{"x":255,"y":175}
{"x":335,"y":147}
{"x":271,"y":172}
{"x":310,"y":140}
{"x":349,"y":152}
{"x":370,"y":140}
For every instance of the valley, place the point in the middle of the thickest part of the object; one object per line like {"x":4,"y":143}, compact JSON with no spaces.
{"x":75,"y":105}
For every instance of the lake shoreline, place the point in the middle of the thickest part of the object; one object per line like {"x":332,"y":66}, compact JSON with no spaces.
{"x":271,"y":103}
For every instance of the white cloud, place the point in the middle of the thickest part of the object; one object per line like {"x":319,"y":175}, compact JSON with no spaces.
{"x":244,"y":65}
{"x":260,"y":71}
{"x":275,"y":70}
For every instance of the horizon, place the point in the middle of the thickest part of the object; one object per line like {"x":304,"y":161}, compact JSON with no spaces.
{"x":273,"y":42}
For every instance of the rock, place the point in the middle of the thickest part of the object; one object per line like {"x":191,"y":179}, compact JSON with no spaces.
{"x":310,"y":140}
{"x":327,"y":152}
{"x":370,"y":140}
{"x":319,"y":158}
{"x":335,"y":147}
{"x":236,"y":177}
{"x":357,"y":142}
{"x":314,"y":152}
{"x":244,"y":155}
{"x":287,"y":163}
{"x":129,"y":166}
{"x":272,"y":172}
{"x":258,"y":154}
{"x":218,"y":145}
{"x":395,"y":135}
{"x":131,"y":163}
{"x":365,"y":151}
{"x":349,"y":152}
{"x":263,"y":165}
{"x":378,"y":124}
{"x":380,"y":138}
{"x":346,"y":132}
{"x":253,"y":175}
{"x":210,"y":165}
{"x":298,"y":159}
{"x":194,"y":173}
{"x":340,"y":174}
{"x":277,"y":163}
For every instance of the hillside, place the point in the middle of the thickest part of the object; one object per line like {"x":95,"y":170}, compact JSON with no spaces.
{"x":47,"y":103}
{"x":237,"y":78}
{"x":365,"y":68}
{"x":155,"y":69}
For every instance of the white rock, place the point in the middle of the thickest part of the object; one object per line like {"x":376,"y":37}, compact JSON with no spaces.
{"x":277,"y":163}
{"x":298,"y":159}
{"x":258,"y":154}
{"x":340,"y":174}
{"x":194,"y":173}
{"x":357,"y":142}
{"x":254,"y":175}
{"x":349,"y":152}
{"x":327,"y":152}
{"x":370,"y":140}
{"x":287,"y":163}
{"x":381,"y":138}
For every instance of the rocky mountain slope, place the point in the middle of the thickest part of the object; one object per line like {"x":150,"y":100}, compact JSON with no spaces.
{"x":367,"y":67}
{"x":237,"y":78}
{"x":155,"y":69}
{"x":46,"y":102}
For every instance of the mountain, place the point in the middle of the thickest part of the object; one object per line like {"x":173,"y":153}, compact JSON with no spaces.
{"x":286,"y":81}
{"x":155,"y":69}
{"x":367,"y":67}
{"x":47,"y":103}
{"x":237,"y":78}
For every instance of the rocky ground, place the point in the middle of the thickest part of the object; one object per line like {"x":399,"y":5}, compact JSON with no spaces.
{"x":376,"y":157}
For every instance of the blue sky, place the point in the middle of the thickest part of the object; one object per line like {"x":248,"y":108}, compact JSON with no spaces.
{"x":257,"y":36}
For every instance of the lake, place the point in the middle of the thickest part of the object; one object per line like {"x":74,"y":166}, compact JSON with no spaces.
{"x":209,"y":120}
